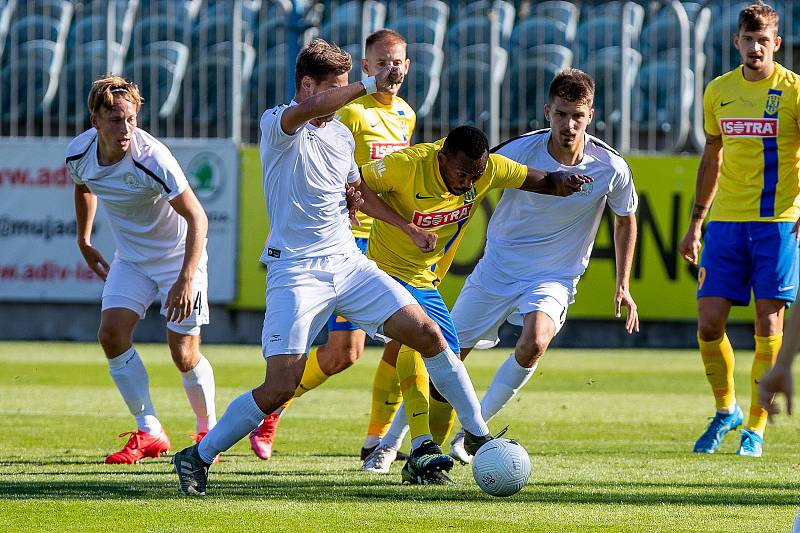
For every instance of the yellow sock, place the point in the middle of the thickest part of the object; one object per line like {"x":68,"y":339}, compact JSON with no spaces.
{"x":413,"y":378}
{"x":386,"y":398}
{"x":718,"y":359}
{"x":313,"y":377}
{"x":766,"y":352}
{"x":441,"y":419}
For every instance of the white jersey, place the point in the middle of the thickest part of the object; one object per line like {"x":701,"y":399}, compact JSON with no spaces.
{"x":135,"y":195}
{"x":535,"y":236}
{"x":304,"y":184}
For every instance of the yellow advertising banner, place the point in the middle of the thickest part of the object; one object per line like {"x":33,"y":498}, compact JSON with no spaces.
{"x":662,"y":284}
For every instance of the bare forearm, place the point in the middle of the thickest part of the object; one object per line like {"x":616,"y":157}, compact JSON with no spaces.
{"x":625,"y":230}
{"x":791,"y":341}
{"x":375,"y":207}
{"x":85,"y":209}
{"x":707,"y":179}
{"x":320,"y":105}
{"x":196,"y":233}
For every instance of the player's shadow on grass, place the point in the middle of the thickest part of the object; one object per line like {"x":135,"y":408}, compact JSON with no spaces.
{"x":344,"y":489}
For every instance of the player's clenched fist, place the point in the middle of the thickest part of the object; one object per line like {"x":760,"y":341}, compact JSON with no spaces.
{"x":354,"y":203}
{"x":389,"y":76}
{"x":563,"y":183}
{"x":424,"y":240}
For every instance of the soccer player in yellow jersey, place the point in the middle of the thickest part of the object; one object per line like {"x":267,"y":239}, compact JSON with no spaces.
{"x":749,"y":169}
{"x":381,"y":123}
{"x":437,"y":187}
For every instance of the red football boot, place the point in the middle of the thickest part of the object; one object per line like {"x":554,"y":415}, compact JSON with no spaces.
{"x":197,"y":437}
{"x":262,"y":437}
{"x":139,"y":446}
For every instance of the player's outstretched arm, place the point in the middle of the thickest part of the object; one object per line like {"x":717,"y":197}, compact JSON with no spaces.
{"x":85,"y":209}
{"x":625,"y":230}
{"x":179,"y":298}
{"x":375,"y":207}
{"x":328,"y":102}
{"x":778,"y":380}
{"x":706,"y":189}
{"x":558,"y":183}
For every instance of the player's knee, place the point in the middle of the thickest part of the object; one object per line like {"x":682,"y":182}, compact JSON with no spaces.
{"x":430,"y":337}
{"x":529,"y":351}
{"x":345,"y":358}
{"x":112,"y":340}
{"x":710,"y":330}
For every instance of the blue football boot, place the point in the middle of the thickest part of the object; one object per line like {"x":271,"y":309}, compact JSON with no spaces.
{"x":752,"y":444}
{"x":711,"y":439}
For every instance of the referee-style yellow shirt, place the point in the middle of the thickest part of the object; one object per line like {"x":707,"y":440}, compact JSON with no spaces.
{"x":410,"y":183}
{"x":759,"y":125}
{"x":378,"y":130}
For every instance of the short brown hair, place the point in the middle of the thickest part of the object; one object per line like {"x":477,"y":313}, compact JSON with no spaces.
{"x":385,"y":35}
{"x":319,"y":59}
{"x":572,"y":85}
{"x":108,"y":87}
{"x":758,"y":16}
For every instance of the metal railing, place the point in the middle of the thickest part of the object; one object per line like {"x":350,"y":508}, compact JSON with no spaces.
{"x":209,"y":68}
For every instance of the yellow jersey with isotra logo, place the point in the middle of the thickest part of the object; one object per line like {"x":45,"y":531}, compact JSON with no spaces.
{"x":409,"y":182}
{"x":760,"y":127}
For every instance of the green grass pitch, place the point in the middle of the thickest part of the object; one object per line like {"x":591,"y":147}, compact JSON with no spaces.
{"x":609,"y":434}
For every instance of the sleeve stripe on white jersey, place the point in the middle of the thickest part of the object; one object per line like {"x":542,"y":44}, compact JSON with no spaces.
{"x":152,"y":175}
{"x":597,"y":142}
{"x":512,"y":139}
{"x":80,"y":155}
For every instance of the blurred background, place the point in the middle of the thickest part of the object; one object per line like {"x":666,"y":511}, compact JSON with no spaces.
{"x":209,"y":68}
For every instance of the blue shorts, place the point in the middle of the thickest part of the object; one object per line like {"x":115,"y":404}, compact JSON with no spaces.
{"x":740,"y":257}
{"x":340,"y":323}
{"x":431,"y":301}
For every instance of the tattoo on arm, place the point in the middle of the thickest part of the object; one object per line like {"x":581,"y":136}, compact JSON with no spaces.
{"x":699,"y":212}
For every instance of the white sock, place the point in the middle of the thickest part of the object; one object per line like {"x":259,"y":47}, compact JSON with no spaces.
{"x":397,"y":431}
{"x":130,"y":376}
{"x":371,"y":441}
{"x":416,"y":442}
{"x":727,"y":410}
{"x":241,"y":417}
{"x":199,"y":386}
{"x":507,"y":382}
{"x":450,"y":378}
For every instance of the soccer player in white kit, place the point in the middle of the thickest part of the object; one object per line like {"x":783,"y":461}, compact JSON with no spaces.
{"x":160,"y":229}
{"x":529,"y":272}
{"x":314,"y":265}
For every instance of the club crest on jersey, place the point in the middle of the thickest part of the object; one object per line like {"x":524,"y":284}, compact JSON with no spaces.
{"x":749,"y":127}
{"x":441,"y":218}
{"x":470,"y":195}
{"x":773,"y":101}
{"x":586,"y":189}
{"x":130,"y":181}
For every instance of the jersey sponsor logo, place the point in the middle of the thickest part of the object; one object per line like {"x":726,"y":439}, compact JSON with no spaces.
{"x":441,"y":218}
{"x":274,"y":252}
{"x":749,"y":127}
{"x":381,"y":150}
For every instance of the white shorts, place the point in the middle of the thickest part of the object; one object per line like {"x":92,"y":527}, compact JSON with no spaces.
{"x":479,"y":313}
{"x":133,"y":286}
{"x":303,"y":293}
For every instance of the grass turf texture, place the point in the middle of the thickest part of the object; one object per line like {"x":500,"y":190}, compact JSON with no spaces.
{"x":609,"y":434}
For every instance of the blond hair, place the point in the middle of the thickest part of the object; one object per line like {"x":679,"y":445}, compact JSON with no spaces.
{"x":319,"y":59}
{"x":108,"y":87}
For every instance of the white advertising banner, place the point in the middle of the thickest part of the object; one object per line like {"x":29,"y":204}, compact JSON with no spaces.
{"x":39,"y":258}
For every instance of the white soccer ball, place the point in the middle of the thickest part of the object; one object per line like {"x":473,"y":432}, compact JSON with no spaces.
{"x":501,"y":467}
